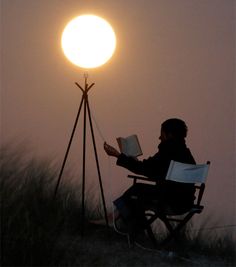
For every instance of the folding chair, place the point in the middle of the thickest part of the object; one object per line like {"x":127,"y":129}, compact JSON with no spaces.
{"x":174,"y":222}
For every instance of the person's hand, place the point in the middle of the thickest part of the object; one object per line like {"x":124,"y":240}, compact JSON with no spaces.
{"x":111,"y":151}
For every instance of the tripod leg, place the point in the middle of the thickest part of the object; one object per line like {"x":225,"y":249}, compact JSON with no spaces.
{"x":83,"y":170}
{"x":97,"y":163}
{"x":68,"y":147}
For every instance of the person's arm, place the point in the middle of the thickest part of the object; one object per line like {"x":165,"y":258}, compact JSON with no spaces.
{"x":111,"y":151}
{"x":148,"y":167}
{"x":153,"y":167}
{"x":127,"y":162}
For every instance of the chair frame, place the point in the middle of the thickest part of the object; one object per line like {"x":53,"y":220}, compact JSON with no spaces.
{"x":168,"y":219}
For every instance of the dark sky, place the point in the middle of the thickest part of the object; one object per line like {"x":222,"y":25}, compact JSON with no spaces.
{"x":174,"y":58}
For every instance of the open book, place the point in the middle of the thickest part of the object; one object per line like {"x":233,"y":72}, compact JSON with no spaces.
{"x":130,"y":145}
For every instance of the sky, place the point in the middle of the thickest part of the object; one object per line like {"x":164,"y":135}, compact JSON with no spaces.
{"x":174,"y":58}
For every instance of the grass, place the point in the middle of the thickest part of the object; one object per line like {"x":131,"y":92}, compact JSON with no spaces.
{"x":32,"y":221}
{"x":40,"y":230}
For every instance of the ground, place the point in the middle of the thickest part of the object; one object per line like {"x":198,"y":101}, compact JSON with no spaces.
{"x":102,"y":246}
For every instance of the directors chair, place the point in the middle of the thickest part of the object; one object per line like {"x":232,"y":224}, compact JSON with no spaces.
{"x":174,"y":222}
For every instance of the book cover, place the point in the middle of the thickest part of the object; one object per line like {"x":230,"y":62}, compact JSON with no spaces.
{"x":130,"y":145}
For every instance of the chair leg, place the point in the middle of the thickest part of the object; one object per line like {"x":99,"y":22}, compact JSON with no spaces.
{"x":176,"y":230}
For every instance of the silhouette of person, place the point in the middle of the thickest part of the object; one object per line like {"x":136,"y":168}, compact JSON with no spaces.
{"x":168,"y":194}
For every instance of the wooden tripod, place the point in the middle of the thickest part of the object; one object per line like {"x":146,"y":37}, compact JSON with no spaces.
{"x":85,"y":103}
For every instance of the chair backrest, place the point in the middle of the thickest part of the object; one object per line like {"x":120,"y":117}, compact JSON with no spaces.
{"x":187,"y":173}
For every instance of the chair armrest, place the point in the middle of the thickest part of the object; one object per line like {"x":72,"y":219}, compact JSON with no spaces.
{"x":143,"y":178}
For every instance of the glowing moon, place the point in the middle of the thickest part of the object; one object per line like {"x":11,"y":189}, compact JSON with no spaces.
{"x":88,"y":41}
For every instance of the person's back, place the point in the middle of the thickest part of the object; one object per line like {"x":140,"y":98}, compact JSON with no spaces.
{"x":178,"y":196}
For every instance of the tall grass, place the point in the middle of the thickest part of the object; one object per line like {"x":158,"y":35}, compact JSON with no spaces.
{"x":32,"y":220}
{"x":207,"y":242}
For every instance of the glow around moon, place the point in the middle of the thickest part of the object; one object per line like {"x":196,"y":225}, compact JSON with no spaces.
{"x":88,"y":41}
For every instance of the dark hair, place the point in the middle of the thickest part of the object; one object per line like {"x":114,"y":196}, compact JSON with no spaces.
{"x":176,"y":127}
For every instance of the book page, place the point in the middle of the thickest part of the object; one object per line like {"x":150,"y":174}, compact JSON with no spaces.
{"x":130,"y":145}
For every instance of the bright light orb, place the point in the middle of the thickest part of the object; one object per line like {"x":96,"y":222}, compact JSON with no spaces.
{"x":88,"y":41}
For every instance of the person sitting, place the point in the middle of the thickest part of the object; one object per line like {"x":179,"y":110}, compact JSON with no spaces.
{"x":178,"y":197}
{"x":168,"y":194}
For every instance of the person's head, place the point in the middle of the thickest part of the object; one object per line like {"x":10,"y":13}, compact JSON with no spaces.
{"x":173,"y":129}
